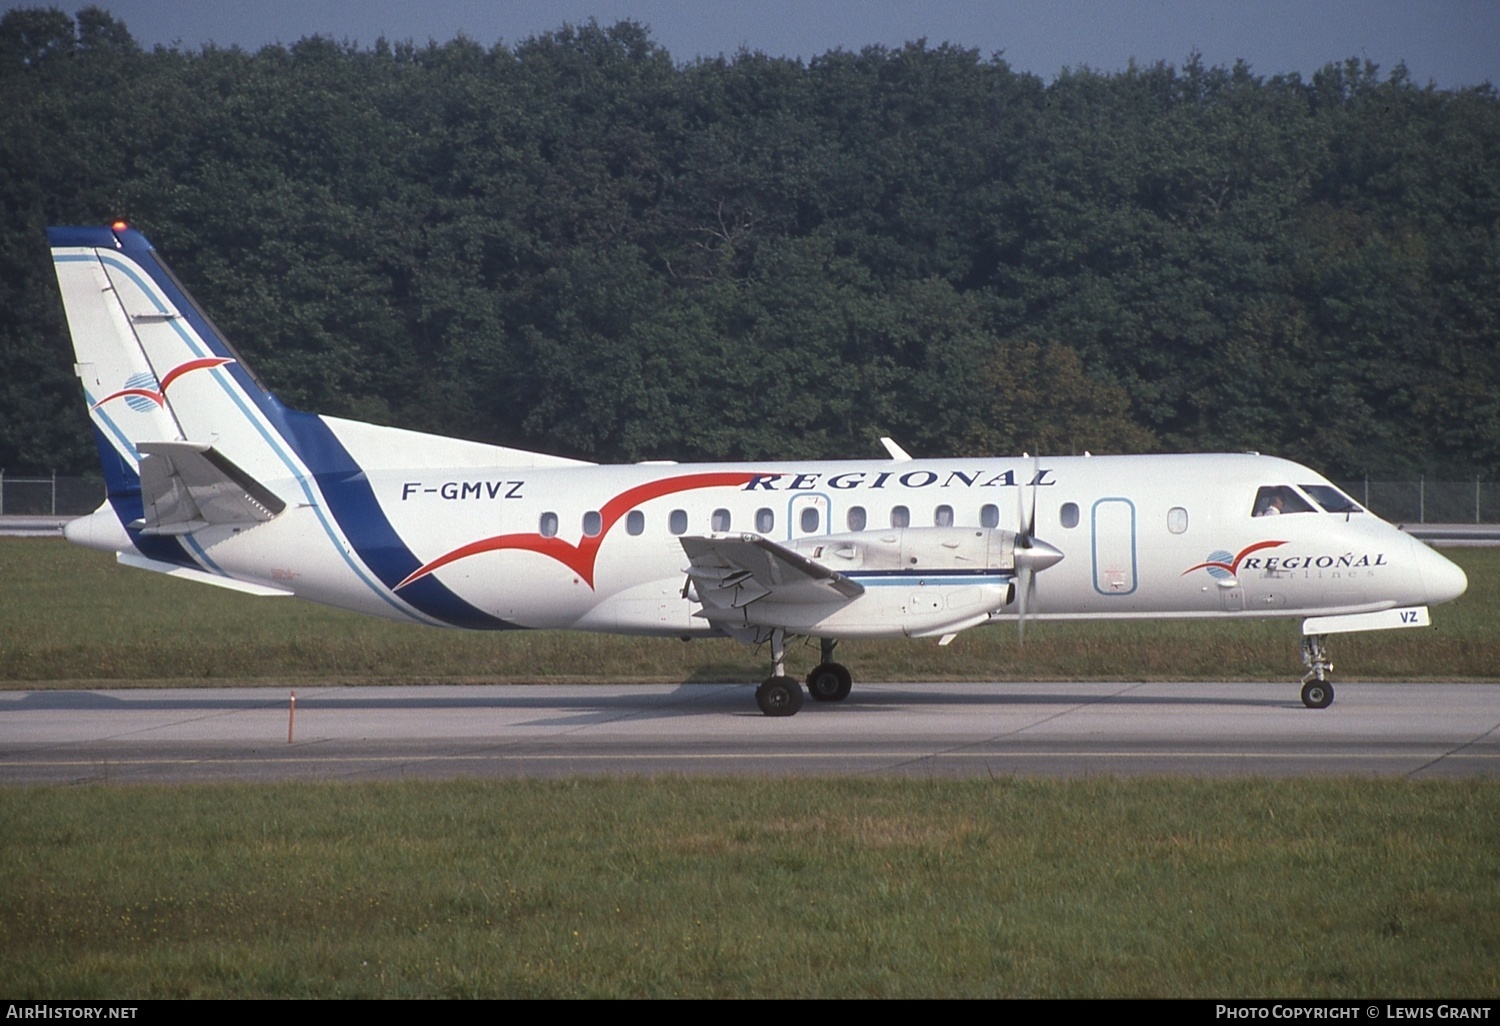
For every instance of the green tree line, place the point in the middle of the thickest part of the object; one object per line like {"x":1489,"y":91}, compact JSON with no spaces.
{"x":576,"y":244}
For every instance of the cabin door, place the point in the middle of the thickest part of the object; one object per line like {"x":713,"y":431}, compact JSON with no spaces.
{"x":1114,"y":546}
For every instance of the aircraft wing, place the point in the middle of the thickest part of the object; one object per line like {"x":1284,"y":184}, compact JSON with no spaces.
{"x":732,"y":572}
{"x":187,"y":486}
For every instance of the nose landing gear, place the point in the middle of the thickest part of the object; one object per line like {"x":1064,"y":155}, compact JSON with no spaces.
{"x":1317,"y":692}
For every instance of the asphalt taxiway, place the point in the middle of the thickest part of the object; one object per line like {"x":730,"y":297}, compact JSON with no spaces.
{"x":1071,"y":729}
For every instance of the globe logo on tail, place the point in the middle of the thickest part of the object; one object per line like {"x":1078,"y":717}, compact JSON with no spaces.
{"x":135,"y":386}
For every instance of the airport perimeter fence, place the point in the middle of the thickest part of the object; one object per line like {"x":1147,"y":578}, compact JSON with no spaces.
{"x":1428,"y":502}
{"x":1401,"y":502}
{"x":51,"y":496}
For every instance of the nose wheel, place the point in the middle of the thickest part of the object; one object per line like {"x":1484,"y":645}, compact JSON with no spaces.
{"x":1317,"y":692}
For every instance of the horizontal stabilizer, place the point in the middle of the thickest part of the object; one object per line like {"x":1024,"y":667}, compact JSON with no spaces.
{"x":187,"y":486}
{"x":730,"y":573}
{"x":188,"y":573}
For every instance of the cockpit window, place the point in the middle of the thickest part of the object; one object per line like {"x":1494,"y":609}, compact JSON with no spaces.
{"x":1331,"y":499}
{"x":1273,"y":500}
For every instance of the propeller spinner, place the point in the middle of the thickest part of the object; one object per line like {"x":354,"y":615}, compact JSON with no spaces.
{"x":1032,"y":555}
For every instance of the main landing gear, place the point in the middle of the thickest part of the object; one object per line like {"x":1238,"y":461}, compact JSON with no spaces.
{"x":829,"y":681}
{"x":780,"y":695}
{"x":1317,"y":693}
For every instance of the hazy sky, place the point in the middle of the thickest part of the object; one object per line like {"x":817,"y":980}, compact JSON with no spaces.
{"x":1451,"y":42}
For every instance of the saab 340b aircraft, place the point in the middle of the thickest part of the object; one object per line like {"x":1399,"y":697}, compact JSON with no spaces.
{"x":210,"y":478}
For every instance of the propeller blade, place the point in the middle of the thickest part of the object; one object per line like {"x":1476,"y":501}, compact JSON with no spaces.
{"x":1025,"y":581}
{"x":1023,"y":526}
{"x":1036,"y":472}
{"x":1031,"y":555}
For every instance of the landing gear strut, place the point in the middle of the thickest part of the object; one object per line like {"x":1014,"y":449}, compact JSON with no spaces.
{"x":1317,"y":693}
{"x":778,"y":694}
{"x":829,"y":681}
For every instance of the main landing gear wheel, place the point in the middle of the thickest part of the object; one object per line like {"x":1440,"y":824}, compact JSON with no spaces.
{"x":779,"y":696}
{"x":1317,"y":694}
{"x":829,"y":682}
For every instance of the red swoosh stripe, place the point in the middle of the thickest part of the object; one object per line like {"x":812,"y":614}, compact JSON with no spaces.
{"x":160,"y":397}
{"x":1234,"y":567}
{"x":191,"y":365}
{"x":580,"y":558}
{"x":144,"y":393}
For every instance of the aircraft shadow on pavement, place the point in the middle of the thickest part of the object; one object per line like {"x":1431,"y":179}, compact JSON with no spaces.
{"x":684,"y":699}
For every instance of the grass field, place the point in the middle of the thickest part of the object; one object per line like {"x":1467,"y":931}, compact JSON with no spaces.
{"x":754,"y":888}
{"x":72,"y":617}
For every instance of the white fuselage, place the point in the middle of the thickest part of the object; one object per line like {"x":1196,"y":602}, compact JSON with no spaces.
{"x":544,"y":547}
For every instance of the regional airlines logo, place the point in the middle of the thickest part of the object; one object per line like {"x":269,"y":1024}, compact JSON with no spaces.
{"x":141,"y":397}
{"x":1223,"y":565}
{"x":580,"y":558}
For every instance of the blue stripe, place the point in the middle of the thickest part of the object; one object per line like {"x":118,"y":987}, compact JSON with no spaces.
{"x":913,"y":578}
{"x":262,"y":401}
{"x":339,"y":479}
{"x":344,"y":485}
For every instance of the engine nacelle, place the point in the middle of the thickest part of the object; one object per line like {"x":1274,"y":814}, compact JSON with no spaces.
{"x":913,"y":550}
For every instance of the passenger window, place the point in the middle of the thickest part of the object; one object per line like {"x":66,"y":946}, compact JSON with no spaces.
{"x":677,"y":521}
{"x":810,"y":520}
{"x":591,"y":524}
{"x":765,"y":521}
{"x":1273,"y":500}
{"x":900,"y":517}
{"x":1068,"y":515}
{"x":720,"y":520}
{"x":1177,"y":520}
{"x":989,"y":515}
{"x":548,"y":525}
{"x":635,"y":522}
{"x":943,"y":517}
{"x":856,"y":518}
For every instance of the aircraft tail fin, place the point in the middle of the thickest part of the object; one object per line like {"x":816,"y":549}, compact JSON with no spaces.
{"x":153,"y":367}
{"x":196,"y":450}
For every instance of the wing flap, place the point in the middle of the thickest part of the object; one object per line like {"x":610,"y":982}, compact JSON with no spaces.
{"x":732,"y":572}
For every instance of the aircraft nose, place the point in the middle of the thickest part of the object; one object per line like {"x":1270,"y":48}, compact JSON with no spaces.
{"x":1442,"y":579}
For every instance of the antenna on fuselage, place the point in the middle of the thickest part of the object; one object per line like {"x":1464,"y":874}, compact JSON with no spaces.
{"x":898,"y":454}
